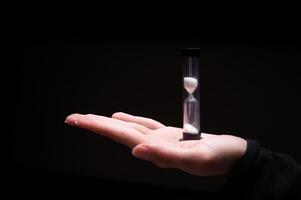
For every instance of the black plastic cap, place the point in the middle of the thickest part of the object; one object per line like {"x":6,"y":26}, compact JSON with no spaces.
{"x":190,"y":52}
{"x":188,"y":136}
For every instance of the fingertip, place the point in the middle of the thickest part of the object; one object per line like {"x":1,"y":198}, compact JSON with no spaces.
{"x":72,"y":119}
{"x":141,"y":151}
{"x":115,"y":115}
{"x":118,"y":114}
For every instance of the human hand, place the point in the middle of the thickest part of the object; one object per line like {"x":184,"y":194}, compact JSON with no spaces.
{"x":152,"y":141}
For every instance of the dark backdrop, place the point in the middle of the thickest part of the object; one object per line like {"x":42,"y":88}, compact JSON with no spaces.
{"x":249,"y":87}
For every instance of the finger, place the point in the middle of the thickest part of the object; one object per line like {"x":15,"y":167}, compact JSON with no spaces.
{"x":149,"y":123}
{"x":163,"y":155}
{"x":109,"y":128}
{"x":136,"y":126}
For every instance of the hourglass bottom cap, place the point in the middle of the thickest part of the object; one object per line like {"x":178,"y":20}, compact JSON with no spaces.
{"x":189,"y":136}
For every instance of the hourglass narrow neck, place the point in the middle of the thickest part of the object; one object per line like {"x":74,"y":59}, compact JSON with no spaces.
{"x":191,"y":98}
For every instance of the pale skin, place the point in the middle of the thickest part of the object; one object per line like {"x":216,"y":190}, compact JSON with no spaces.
{"x":152,"y":141}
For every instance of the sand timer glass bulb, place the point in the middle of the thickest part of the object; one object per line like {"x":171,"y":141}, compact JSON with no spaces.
{"x":191,"y":108}
{"x":190,"y":84}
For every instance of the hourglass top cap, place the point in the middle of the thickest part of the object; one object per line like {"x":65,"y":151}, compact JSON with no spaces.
{"x":190,"y":52}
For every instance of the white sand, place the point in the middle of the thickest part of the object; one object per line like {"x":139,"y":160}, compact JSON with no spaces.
{"x":188,"y":128}
{"x":190,"y":84}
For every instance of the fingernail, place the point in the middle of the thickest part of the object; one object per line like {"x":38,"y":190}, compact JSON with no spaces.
{"x":75,"y":122}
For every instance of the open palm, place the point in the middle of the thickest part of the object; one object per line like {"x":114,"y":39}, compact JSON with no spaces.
{"x":150,"y":140}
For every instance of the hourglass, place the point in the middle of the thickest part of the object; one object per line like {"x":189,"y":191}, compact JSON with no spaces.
{"x":191,"y":107}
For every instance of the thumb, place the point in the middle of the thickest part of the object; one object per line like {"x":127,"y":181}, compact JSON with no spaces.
{"x":163,"y":155}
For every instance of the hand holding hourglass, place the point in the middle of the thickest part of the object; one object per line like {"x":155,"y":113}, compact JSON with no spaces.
{"x":170,"y":146}
{"x":151,"y":140}
{"x":267,"y":174}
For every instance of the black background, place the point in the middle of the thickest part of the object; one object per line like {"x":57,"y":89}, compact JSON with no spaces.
{"x":249,"y":87}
